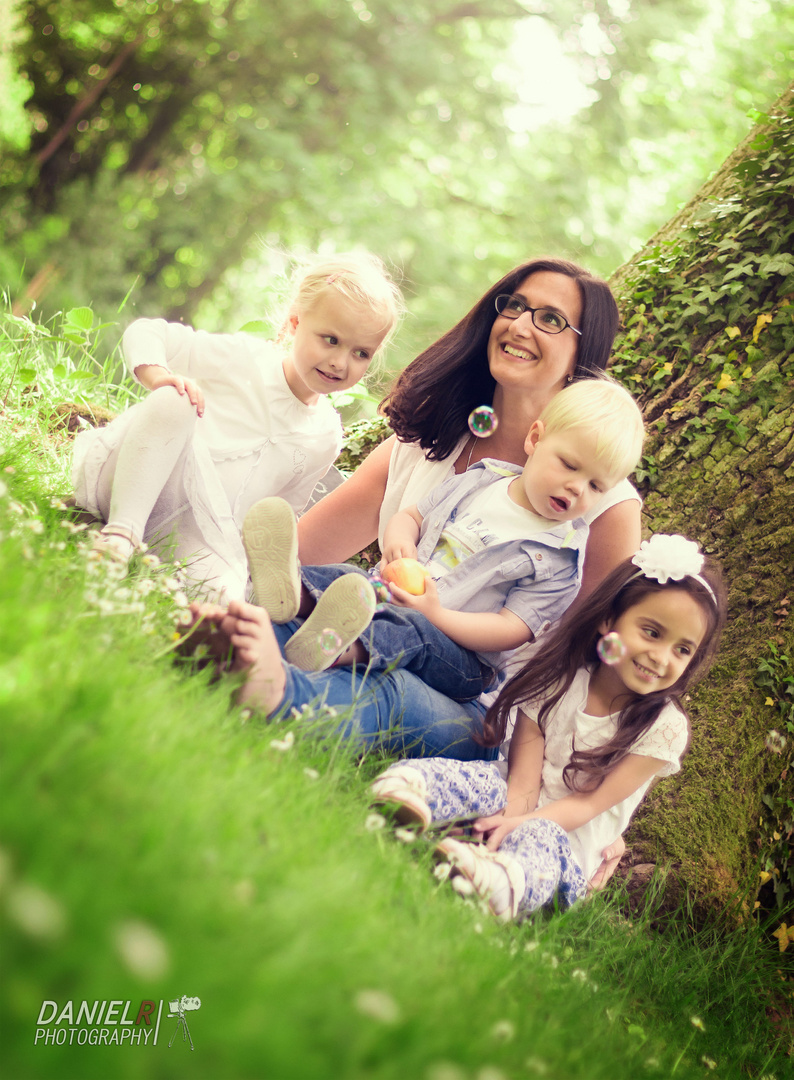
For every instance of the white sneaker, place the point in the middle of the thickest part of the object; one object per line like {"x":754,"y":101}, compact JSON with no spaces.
{"x":494,"y":876}
{"x":270,"y":539}
{"x":403,"y":790}
{"x":342,"y":614}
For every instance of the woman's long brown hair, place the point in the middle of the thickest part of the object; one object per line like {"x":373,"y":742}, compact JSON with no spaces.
{"x":433,"y":396}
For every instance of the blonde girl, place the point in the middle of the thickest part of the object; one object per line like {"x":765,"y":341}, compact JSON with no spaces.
{"x":230,"y":419}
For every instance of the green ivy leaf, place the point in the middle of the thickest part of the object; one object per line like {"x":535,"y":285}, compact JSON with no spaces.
{"x":81,"y":318}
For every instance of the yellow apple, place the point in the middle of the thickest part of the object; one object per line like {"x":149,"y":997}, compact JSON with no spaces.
{"x":407,"y":574}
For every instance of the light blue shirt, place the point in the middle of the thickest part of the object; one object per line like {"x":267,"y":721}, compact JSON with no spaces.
{"x":536,"y":578}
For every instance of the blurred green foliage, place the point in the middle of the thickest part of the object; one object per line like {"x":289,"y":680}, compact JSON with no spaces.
{"x":181,"y":146}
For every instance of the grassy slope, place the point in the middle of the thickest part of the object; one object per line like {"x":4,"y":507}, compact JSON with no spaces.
{"x":154,"y":843}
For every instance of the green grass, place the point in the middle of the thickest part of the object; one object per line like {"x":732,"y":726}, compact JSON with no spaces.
{"x":154,"y":843}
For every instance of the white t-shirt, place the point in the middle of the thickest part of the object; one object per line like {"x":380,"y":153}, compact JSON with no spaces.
{"x":490,"y":517}
{"x":568,"y":721}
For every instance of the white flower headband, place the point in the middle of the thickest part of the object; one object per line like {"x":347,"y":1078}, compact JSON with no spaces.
{"x":671,"y":558}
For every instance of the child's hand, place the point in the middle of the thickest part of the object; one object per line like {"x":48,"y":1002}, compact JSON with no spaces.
{"x":428,"y":603}
{"x":496,"y":827}
{"x":611,"y":856}
{"x":400,"y":549}
{"x":155,"y":377}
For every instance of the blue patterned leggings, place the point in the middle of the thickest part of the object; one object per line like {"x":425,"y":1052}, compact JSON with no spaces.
{"x":540,"y":847}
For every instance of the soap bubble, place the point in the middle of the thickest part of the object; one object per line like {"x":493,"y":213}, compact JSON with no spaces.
{"x":382,"y":594}
{"x":611,"y":649}
{"x":483,"y":421}
{"x":330,"y":641}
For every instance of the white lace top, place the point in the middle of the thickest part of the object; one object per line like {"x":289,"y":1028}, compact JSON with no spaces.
{"x":666,"y":740}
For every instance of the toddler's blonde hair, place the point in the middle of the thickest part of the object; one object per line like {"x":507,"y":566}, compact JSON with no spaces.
{"x":606,"y":410}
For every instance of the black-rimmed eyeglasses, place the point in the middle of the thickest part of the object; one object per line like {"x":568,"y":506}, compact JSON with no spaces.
{"x":546,"y":319}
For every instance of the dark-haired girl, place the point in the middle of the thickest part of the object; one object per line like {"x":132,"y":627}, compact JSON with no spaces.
{"x":599,"y":717}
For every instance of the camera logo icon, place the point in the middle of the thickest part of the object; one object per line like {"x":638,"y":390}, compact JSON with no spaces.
{"x":177,"y":1010}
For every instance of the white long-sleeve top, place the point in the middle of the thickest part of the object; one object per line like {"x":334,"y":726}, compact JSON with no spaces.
{"x":255,"y":439}
{"x":262,"y":439}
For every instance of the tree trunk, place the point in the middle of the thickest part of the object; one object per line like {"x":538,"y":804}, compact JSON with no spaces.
{"x":707,"y":348}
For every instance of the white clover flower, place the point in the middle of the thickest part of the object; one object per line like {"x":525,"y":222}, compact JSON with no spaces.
{"x":180,"y":599}
{"x":150,"y":560}
{"x":462,"y":885}
{"x":407,"y":836}
{"x":312,"y":774}
{"x":284,"y":744}
{"x":504,"y":1030}
{"x":142,"y":949}
{"x":442,"y":871}
{"x":35,"y":912}
{"x":665,"y":557}
{"x":378,"y":1005}
{"x":775,"y":742}
{"x":374,"y":822}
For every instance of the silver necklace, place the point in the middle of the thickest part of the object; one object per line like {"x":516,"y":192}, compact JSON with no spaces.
{"x":473,"y":444}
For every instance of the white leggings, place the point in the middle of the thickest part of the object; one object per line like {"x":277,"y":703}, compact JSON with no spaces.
{"x":146,"y":470}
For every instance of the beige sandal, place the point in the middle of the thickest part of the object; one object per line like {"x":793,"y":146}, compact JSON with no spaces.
{"x":104,"y":548}
{"x":403,"y":789}
{"x":495,"y":877}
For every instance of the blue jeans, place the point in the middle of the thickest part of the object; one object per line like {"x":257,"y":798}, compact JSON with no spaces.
{"x":403,"y":638}
{"x":394,"y":711}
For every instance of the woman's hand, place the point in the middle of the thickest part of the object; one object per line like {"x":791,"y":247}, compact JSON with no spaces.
{"x":153,"y":377}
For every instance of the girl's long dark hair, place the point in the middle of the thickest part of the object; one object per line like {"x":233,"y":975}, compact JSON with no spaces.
{"x":548,"y":675}
{"x":433,"y":396}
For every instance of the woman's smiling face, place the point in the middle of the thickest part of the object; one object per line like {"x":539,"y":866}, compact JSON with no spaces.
{"x":522,"y":357}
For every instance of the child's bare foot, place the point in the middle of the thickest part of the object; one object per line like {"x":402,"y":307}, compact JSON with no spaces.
{"x":256,"y":652}
{"x":203,"y":640}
